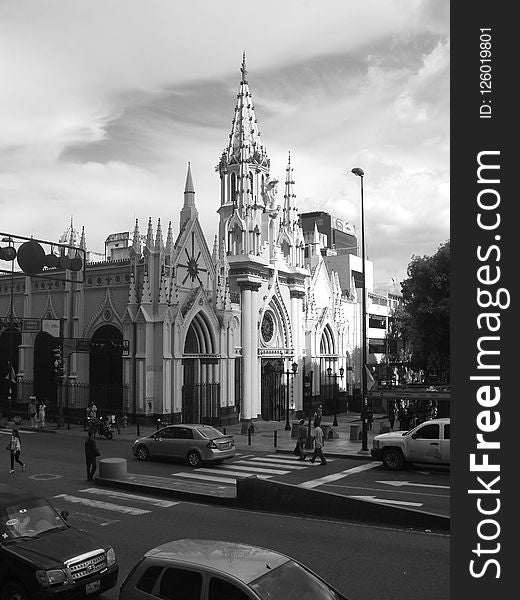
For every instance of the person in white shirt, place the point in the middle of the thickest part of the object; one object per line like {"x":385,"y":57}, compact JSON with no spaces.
{"x":318,"y":445}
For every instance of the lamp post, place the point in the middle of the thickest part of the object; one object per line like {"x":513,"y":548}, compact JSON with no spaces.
{"x":9,"y":253}
{"x":294,"y":367}
{"x":335,"y":391}
{"x":364,"y":432}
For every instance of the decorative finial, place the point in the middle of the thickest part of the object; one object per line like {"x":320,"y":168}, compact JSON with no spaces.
{"x":243,"y":68}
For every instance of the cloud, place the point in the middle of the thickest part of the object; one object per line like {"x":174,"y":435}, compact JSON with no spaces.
{"x":100,"y":110}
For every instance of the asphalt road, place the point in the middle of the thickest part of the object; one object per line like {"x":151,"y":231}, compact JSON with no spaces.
{"x":364,"y":562}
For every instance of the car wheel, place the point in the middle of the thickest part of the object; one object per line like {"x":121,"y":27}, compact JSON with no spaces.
{"x":393,"y":460}
{"x":193,"y":458}
{"x":142,"y":453}
{"x":14,"y":591}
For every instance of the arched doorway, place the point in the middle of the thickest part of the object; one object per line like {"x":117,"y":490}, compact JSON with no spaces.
{"x":272,"y":399}
{"x":329,"y":389}
{"x":10,"y":340}
{"x":200,"y":389}
{"x":44,"y":380}
{"x":106,"y":369}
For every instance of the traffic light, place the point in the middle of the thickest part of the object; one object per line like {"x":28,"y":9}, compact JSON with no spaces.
{"x":59,"y":368}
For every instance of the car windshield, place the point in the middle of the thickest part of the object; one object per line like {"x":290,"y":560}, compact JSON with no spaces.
{"x":28,"y":518}
{"x":209,"y":432}
{"x":291,"y":581}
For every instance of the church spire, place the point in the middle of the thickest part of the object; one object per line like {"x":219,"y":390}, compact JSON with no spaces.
{"x":188,"y":210}
{"x":289,"y":210}
{"x":244,"y":139}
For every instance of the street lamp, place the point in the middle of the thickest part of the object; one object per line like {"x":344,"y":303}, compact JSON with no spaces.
{"x":9,"y":253}
{"x":294,"y":367}
{"x":364,"y":435}
{"x":335,"y":391}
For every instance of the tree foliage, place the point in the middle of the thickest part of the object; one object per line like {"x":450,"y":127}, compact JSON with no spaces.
{"x":424,"y":318}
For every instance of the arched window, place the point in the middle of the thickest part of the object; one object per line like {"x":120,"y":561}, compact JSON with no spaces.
{"x":234,"y":191}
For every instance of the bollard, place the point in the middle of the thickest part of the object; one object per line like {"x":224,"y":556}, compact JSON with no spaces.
{"x":249,"y":437}
{"x":137,"y":423}
{"x":224,"y":431}
{"x":68,"y":425}
{"x":158,"y":424}
{"x":275,"y":437}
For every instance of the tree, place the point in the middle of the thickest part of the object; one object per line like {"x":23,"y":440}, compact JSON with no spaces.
{"x":424,"y":318}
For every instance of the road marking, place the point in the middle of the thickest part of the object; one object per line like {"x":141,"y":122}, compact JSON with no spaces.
{"x":206,"y":477}
{"x":273,"y":463}
{"x":125,"y":496}
{"x":385,"y":501}
{"x":254,"y":469}
{"x":295,"y":459}
{"x":10,"y":431}
{"x":335,"y":476}
{"x":92,"y":518}
{"x":44,"y":477}
{"x":129,"y":510}
{"x":401,"y":483}
{"x":232,"y":472}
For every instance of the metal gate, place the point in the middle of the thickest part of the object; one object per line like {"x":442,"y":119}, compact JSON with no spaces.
{"x":201,"y":403}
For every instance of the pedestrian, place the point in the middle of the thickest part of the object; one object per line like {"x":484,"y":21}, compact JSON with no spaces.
{"x":317,"y":416}
{"x":391,"y":416}
{"x":370,"y":416}
{"x":32,"y":410}
{"x":41,"y":414}
{"x":15,"y":447}
{"x":318,"y":445}
{"x":302,"y":437}
{"x":91,"y":454}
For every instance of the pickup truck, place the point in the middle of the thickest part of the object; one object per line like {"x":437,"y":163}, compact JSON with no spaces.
{"x":42,"y":557}
{"x":429,"y":442}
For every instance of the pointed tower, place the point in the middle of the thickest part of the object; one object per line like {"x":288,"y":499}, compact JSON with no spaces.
{"x":290,"y":216}
{"x":243,"y":168}
{"x":188,"y":210}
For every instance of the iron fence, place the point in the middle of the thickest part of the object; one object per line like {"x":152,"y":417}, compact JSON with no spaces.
{"x":201,"y":403}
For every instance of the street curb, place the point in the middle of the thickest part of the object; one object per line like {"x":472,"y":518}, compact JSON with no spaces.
{"x":177,"y":494}
{"x":284,"y":498}
{"x":261,"y":494}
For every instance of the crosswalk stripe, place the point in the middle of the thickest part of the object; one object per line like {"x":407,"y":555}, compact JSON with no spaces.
{"x":335,"y":476}
{"x":275,"y":463}
{"x":22,"y":431}
{"x":232,"y":472}
{"x":207,"y":477}
{"x":105,"y":505}
{"x":125,"y":496}
{"x":254,"y":469}
{"x":287,"y":459}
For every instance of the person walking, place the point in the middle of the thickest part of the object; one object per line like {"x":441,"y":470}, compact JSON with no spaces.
{"x":91,"y":454}
{"x":15,"y":447}
{"x":391,"y":417}
{"x":318,"y":415}
{"x":32,"y":410}
{"x":318,"y":445}
{"x":302,"y":437}
{"x":41,"y":414}
{"x":370,"y":416}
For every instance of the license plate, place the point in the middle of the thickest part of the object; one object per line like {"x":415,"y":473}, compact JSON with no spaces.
{"x":225,"y":445}
{"x":92,"y":587}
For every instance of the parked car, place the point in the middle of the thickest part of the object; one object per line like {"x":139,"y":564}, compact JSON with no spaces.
{"x":217,"y":570}
{"x":194,"y":443}
{"x":429,"y":442}
{"x":43,"y":557}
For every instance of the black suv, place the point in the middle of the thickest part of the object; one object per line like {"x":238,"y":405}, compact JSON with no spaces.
{"x":42,"y":557}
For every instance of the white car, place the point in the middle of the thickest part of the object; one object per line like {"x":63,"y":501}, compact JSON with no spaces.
{"x":219,"y":570}
{"x":429,"y":443}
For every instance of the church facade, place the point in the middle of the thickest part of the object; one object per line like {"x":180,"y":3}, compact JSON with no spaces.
{"x":167,"y":326}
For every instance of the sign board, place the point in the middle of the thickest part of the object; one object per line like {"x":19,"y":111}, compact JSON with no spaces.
{"x":31,"y":325}
{"x":51,"y":326}
{"x":83,"y":345}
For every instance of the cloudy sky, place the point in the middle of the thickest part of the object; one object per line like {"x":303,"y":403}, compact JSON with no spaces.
{"x":103,"y":103}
